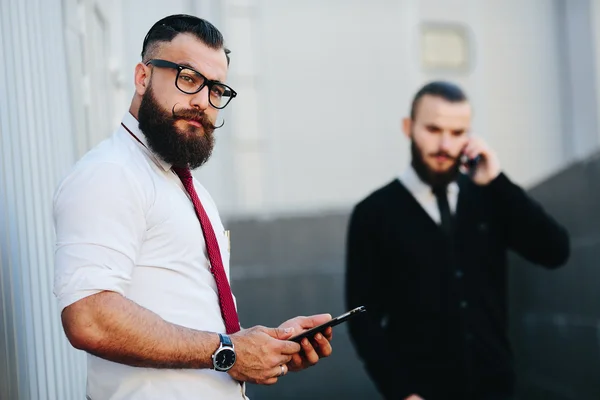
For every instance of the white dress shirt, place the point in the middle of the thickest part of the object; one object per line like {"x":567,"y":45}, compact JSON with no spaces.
{"x":423,"y":194}
{"x":124,"y":223}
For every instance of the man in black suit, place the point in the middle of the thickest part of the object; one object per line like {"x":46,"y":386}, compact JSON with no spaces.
{"x":427,"y":256}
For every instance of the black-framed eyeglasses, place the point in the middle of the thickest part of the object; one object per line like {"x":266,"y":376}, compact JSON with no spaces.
{"x":190,"y":81}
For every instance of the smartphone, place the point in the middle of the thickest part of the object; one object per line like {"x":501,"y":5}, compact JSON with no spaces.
{"x":471,"y":163}
{"x":332,"y":322}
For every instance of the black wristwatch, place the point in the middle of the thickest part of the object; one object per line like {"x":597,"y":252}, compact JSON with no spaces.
{"x":224,"y":357}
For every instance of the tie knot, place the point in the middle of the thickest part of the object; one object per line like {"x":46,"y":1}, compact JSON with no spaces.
{"x":184,"y":173}
{"x":440,"y":190}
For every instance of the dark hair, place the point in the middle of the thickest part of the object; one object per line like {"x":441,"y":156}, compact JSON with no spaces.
{"x":446,"y":90}
{"x":167,"y":28}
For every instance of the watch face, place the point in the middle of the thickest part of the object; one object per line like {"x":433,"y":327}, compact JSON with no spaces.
{"x":225,"y":358}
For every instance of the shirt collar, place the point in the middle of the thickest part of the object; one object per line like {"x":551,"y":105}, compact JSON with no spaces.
{"x":133,"y":125}
{"x":417,"y":187}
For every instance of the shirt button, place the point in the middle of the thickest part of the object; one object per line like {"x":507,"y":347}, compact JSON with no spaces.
{"x":459,"y":274}
{"x":463,"y":304}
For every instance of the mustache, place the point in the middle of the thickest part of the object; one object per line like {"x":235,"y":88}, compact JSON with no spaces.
{"x":443,"y":154}
{"x":198,"y":116}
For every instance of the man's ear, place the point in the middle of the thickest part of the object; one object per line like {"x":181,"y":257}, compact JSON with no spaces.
{"x":141,"y":78}
{"x":407,"y":126}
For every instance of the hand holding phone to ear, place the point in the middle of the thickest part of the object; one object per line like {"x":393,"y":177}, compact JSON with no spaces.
{"x":488,"y":166}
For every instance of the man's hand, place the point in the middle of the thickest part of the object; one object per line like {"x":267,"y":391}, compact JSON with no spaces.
{"x":489,"y":167}
{"x":262,"y":354}
{"x":314,"y":349}
{"x":414,"y":397}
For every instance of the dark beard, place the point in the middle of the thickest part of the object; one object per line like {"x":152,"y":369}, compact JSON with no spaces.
{"x":181,"y":149}
{"x":428,"y":176}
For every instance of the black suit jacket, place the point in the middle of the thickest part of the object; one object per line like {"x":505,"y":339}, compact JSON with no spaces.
{"x":436,"y":321}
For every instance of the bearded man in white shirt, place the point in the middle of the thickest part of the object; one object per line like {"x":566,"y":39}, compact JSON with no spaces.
{"x":142,"y":259}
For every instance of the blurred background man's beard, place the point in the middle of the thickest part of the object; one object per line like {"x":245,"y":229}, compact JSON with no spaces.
{"x":191,"y":147}
{"x":427,"y":175}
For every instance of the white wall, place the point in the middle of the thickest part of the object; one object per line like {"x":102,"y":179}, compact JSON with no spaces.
{"x":92,"y":42}
{"x":327,"y":137}
{"x":595,"y":18}
{"x":36,"y":148}
{"x":331,"y":81}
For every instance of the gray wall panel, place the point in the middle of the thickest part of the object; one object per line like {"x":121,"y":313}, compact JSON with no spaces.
{"x":294,"y":266}
{"x":555,"y":315}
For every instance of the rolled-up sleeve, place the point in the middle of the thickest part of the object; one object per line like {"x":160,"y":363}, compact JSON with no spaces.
{"x":100,"y":224}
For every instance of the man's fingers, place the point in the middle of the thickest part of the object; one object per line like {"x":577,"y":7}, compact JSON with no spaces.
{"x":328,"y":333}
{"x":472,"y":150}
{"x":273,"y":375}
{"x":324,"y":347}
{"x":296,"y":360}
{"x":318,"y":319}
{"x":284,"y":359}
{"x":280,"y":333}
{"x":312,"y":320}
{"x":288,"y":347}
{"x":309,"y":352}
{"x":475,"y":148}
{"x":278,"y":371}
{"x":270,"y":381}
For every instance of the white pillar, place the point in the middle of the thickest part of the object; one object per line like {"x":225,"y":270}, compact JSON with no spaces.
{"x":37,"y":147}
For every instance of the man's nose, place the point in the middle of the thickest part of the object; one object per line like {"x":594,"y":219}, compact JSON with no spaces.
{"x":445,"y":141}
{"x":200,"y":100}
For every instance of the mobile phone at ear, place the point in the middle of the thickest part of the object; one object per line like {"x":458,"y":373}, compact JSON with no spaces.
{"x":332,"y":322}
{"x":471,"y":163}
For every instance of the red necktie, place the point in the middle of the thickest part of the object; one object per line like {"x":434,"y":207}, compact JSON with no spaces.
{"x":228,"y":311}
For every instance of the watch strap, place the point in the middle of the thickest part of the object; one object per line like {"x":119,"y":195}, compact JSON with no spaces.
{"x":225,"y":340}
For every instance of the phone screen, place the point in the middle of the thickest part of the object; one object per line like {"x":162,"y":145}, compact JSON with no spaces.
{"x":332,"y":322}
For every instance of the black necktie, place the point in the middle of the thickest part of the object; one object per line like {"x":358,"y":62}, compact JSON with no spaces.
{"x":441,"y":194}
